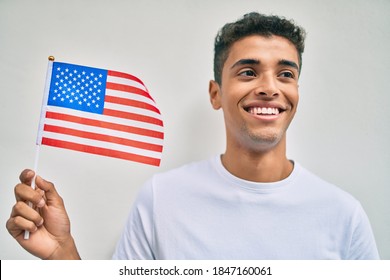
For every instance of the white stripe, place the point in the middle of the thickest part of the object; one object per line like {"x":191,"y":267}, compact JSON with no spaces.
{"x":129,"y":95}
{"x":131,"y":109}
{"x":99,"y":117}
{"x":124,"y":81}
{"x":106,"y":131}
{"x":101,"y":144}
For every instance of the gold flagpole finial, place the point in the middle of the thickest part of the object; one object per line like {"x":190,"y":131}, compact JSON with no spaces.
{"x":51,"y":58}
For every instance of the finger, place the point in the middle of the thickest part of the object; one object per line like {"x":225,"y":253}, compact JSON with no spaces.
{"x":26,"y":193}
{"x":26,"y":176}
{"x":18,"y":225}
{"x":27,"y":213}
{"x":51,"y":194}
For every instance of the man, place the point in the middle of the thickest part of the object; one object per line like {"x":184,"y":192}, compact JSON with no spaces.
{"x":249,"y":203}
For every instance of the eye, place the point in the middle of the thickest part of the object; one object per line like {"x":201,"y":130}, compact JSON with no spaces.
{"x":287,"y":74}
{"x":247,"y":73}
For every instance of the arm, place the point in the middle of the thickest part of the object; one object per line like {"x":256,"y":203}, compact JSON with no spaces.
{"x":47,"y":221}
{"x":363,"y":245}
{"x":136,"y":242}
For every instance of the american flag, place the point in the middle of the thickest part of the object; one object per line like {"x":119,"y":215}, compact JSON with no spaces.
{"x":102,"y":112}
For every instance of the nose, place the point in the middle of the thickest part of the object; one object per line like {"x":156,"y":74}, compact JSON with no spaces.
{"x":267,"y":87}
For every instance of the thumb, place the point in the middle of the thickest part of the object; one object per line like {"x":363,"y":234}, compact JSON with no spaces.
{"x":51,"y":194}
{"x":26,"y":176}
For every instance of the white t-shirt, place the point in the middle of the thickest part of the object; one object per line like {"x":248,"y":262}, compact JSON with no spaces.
{"x":201,"y":211}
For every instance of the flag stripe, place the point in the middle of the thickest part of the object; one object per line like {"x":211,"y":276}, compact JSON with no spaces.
{"x":100,"y":130}
{"x":101,"y":151}
{"x":124,"y":81}
{"x":100,"y":144}
{"x":129,"y":102}
{"x":130,"y":89}
{"x":132,"y":116}
{"x":131,"y":109}
{"x":102,"y":137}
{"x":131,"y":96}
{"x":108,"y":131}
{"x":58,"y":117}
{"x":147,"y":129}
{"x":124,"y":75}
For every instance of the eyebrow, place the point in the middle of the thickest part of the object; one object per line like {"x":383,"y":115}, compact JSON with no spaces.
{"x":246,"y":61}
{"x":251,"y":61}
{"x":290,"y":63}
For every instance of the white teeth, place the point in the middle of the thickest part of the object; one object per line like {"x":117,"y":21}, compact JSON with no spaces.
{"x":263,"y":111}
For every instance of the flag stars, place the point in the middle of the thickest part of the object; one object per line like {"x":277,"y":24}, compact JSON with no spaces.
{"x":77,"y":87}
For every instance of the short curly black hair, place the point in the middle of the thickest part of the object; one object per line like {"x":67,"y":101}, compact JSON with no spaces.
{"x":255,"y":24}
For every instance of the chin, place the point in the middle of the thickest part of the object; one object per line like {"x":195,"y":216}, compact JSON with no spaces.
{"x":265,"y":142}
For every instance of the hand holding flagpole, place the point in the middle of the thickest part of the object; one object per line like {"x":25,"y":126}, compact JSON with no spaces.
{"x":39,"y":135}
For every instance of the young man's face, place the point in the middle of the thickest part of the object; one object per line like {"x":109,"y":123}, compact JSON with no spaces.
{"x":258,"y":92}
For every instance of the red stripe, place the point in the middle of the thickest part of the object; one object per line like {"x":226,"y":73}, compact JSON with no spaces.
{"x":124,"y":75}
{"x":132,"y":116}
{"x":129,"y":89}
{"x":103,"y":124}
{"x":129,"y":102}
{"x":100,"y":151}
{"x":103,"y":137}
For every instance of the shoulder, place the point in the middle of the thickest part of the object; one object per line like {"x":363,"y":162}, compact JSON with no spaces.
{"x":322,"y":190}
{"x":187,"y":176}
{"x":190,"y":171}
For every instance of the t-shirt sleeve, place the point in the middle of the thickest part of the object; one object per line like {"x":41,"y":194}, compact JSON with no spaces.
{"x":363,"y":246}
{"x":136,"y":242}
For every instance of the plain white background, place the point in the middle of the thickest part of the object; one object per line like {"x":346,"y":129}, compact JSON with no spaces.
{"x":341,"y":131}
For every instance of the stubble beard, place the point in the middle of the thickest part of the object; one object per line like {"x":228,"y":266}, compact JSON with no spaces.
{"x":261,"y":141}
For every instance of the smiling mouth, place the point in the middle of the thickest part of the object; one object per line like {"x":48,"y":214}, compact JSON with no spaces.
{"x":264,"y":110}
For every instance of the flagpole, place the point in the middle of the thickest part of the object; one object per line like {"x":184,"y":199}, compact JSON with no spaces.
{"x":37,"y":149}
{"x":39,"y":135}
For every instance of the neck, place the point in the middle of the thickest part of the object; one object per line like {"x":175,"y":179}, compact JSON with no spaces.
{"x":258,"y":166}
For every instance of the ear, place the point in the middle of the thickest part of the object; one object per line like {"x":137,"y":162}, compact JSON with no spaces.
{"x":215,"y":95}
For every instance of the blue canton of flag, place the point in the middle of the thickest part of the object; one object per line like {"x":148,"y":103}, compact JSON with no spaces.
{"x":78,"y":87}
